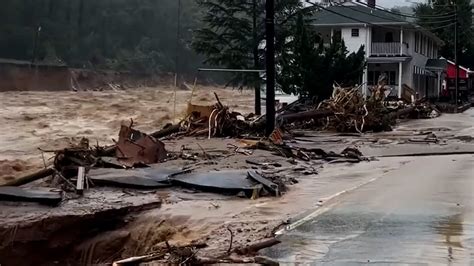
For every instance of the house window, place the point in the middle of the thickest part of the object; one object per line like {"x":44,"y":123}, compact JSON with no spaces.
{"x":391,"y":78}
{"x":417,"y":42}
{"x":373,"y":77}
{"x":426,"y":46}
{"x":355,"y":33}
{"x":430,"y":49}
{"x":422,"y":45}
{"x":337,"y":36}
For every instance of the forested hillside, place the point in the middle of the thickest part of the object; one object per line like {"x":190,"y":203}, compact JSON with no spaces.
{"x":136,"y":35}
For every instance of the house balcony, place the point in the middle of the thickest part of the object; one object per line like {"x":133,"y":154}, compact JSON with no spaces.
{"x":389,"y":49}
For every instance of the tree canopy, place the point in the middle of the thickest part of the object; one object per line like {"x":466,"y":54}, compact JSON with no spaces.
{"x":310,"y":67}
{"x":228,"y":38}
{"x":138,"y":35}
{"x":439,"y":17}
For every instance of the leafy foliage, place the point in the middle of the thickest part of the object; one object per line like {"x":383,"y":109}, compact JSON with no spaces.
{"x":427,"y":12}
{"x":310,"y":67}
{"x":137,"y":35}
{"x":304,"y":65}
{"x":229,"y":37}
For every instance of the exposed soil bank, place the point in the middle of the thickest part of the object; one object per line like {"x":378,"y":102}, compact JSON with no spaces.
{"x":64,"y":239}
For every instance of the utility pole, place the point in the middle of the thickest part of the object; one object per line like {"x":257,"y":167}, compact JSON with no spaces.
{"x":178,"y":36}
{"x":270,"y":64}
{"x":456,"y":52}
{"x":258,"y":104}
{"x":35,"y":44}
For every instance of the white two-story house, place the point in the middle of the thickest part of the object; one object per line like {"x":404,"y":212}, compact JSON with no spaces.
{"x":392,"y":45}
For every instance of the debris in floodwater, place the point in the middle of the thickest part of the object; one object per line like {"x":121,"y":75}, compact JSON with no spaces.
{"x":135,"y":147}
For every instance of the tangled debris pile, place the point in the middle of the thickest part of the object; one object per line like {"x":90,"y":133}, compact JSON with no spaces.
{"x":349,"y":111}
{"x":188,"y":255}
{"x":353,"y":113}
{"x":214,"y":121}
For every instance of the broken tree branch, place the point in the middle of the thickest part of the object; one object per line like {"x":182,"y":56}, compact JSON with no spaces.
{"x":231,"y":240}
{"x":167,"y":131}
{"x":253,"y":248}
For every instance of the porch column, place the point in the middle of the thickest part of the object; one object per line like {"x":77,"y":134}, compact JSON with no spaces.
{"x":400,"y":69}
{"x":401,"y":41}
{"x":438,"y":83}
{"x":332,"y":35}
{"x":365,"y":78}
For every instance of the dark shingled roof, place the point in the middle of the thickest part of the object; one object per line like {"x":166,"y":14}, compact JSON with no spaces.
{"x":356,"y":14}
{"x":436,"y":64}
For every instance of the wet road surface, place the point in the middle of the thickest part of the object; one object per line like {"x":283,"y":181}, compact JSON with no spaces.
{"x":419,"y":214}
{"x":422,"y":213}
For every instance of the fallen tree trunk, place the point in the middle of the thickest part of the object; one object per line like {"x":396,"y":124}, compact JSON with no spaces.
{"x":166,"y":131}
{"x":253,"y":248}
{"x":402,"y":112}
{"x":31,"y":177}
{"x":314,"y":114}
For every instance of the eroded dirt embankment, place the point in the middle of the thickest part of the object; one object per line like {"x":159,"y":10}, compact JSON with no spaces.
{"x":65,"y":239}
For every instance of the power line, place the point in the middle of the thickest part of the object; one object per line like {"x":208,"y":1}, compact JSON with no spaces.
{"x":392,"y":19}
{"x":358,"y":20}
{"x":351,"y":18}
{"x":451,"y":14}
{"x":441,"y":27}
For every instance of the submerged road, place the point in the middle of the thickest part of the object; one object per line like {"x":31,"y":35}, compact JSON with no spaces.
{"x":421,"y":213}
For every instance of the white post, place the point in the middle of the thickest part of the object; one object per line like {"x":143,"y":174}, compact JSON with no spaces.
{"x":365,"y":77}
{"x":401,"y":41}
{"x":332,"y":35}
{"x":400,"y":68}
{"x":439,"y":73}
{"x":81,"y":174}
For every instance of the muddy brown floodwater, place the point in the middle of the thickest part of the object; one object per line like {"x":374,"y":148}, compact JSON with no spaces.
{"x":52,"y":120}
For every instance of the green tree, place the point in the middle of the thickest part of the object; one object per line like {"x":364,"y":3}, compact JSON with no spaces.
{"x":438,"y":15}
{"x":308,"y":67}
{"x":132,"y":35}
{"x":233,"y":33}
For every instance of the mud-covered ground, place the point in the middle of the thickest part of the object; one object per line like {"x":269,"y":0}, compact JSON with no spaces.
{"x":51,"y":120}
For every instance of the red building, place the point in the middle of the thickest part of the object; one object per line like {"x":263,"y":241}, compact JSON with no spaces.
{"x":465,"y":82}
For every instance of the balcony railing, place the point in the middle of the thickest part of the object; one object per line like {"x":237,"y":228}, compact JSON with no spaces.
{"x":389,"y":49}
